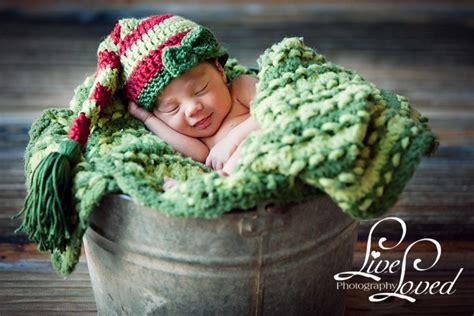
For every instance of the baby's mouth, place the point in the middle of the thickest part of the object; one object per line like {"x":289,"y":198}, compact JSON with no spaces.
{"x":204,"y":123}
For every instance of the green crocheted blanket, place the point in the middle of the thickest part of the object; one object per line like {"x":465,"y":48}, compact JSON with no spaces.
{"x":324,"y":129}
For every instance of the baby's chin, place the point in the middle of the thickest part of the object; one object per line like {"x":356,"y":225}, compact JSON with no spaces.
{"x":199,"y":133}
{"x":208,"y":132}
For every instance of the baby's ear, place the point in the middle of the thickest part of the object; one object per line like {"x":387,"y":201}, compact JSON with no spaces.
{"x":220,"y":69}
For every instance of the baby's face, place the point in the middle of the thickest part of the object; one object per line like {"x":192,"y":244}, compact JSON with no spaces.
{"x":196,"y":103}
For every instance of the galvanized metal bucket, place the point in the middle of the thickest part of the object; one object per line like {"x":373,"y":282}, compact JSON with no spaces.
{"x":275,"y":260}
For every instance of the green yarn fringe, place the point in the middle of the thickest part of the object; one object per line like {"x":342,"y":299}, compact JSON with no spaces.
{"x":324,"y":130}
{"x":47,"y":212}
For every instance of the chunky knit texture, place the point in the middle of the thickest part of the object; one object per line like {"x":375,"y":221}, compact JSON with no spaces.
{"x":139,"y":58}
{"x":324,"y":130}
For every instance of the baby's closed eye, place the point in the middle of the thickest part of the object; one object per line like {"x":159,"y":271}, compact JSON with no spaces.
{"x":202,"y":90}
{"x":168,"y":108}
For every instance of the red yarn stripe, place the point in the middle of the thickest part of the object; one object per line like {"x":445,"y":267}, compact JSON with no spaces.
{"x":108,"y":58}
{"x":101,"y":94}
{"x":115,"y":35}
{"x":79,"y":130}
{"x":149,"y":67}
{"x":141,"y":29}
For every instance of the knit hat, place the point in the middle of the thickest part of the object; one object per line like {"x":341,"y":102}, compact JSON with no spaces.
{"x":139,"y":57}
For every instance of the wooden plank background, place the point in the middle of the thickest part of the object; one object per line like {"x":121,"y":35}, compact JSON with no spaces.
{"x":429,"y":59}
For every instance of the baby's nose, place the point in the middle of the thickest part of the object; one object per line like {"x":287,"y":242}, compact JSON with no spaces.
{"x":192,"y":108}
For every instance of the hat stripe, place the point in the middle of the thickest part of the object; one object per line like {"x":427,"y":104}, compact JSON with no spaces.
{"x":141,"y":29}
{"x":107,"y":58}
{"x":141,"y":75}
{"x":101,"y":94}
{"x":79,"y":130}
{"x":155,"y":37}
{"x":106,"y":79}
{"x":115,"y":34}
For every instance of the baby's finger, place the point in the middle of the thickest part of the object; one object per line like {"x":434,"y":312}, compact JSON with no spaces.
{"x":222,"y":173}
{"x":132,"y":106}
{"x":138,"y":112}
{"x":215,"y":164}
{"x":231,"y":163}
{"x":208,"y":161}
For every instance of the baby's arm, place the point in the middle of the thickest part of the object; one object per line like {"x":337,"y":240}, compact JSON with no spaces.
{"x":188,"y":146}
{"x":226,"y":147}
{"x":243,"y":87}
{"x":241,"y":131}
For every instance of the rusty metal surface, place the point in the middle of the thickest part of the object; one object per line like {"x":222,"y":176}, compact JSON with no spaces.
{"x":261,"y":262}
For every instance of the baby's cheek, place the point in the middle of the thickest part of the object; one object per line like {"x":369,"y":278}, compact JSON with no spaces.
{"x":215,"y":98}
{"x":179,"y":123}
{"x":208,"y":99}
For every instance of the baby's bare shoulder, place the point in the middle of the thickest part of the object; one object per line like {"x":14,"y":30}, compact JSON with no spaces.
{"x":243,"y":88}
{"x":244,"y":81}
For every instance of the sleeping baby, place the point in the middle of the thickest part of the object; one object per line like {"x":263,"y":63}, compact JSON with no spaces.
{"x":202,"y":115}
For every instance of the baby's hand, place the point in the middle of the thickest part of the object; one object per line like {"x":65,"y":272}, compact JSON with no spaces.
{"x":220,"y":153}
{"x":138,"y":112}
{"x":231,"y":163}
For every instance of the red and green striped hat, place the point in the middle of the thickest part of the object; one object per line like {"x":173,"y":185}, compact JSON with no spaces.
{"x":139,"y":57}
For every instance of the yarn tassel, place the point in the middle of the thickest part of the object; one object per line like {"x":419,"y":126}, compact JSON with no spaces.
{"x":47,"y":208}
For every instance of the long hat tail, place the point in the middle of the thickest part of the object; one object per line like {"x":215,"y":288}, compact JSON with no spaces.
{"x":48,"y":210}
